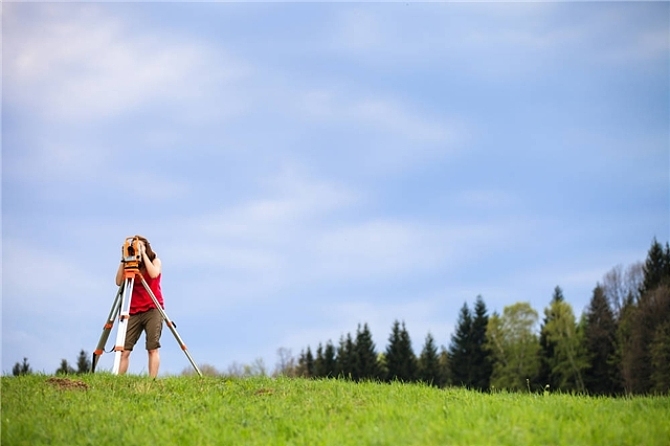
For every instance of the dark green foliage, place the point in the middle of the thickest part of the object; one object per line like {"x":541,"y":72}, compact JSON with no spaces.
{"x":481,"y":361}
{"x":22,"y":368}
{"x":325,"y":365}
{"x":547,"y":347}
{"x":401,"y":362}
{"x":644,"y":326}
{"x":319,"y":367}
{"x":83,"y":363}
{"x":621,"y":343}
{"x":460,"y":349}
{"x":306,"y":364}
{"x":660,"y":359}
{"x":366,"y":366}
{"x":329,"y":361}
{"x":345,"y":357}
{"x":656,"y":267}
{"x":443,"y":359}
{"x":648,"y":328}
{"x":470,"y":361}
{"x":429,"y":370}
{"x":65,"y":368}
{"x":600,"y":338}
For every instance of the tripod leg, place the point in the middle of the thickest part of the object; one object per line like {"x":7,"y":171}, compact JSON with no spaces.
{"x":106,"y":330}
{"x":170,"y":325}
{"x":124,"y":314}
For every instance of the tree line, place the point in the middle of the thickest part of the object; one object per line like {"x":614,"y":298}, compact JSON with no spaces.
{"x":620,"y":344}
{"x":83,"y":366}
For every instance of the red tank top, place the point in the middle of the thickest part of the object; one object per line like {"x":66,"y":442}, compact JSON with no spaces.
{"x":141,"y":300}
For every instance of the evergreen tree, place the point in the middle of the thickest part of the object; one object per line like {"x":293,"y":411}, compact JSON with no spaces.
{"x":460,"y":350}
{"x":309,"y":363}
{"x":445,"y":369}
{"x":649,"y":342}
{"x":481,"y":361}
{"x":329,"y":361}
{"x":306,"y":364}
{"x":429,"y":370}
{"x":345,"y":357}
{"x":656,"y":267}
{"x":400,"y":359}
{"x":624,"y":334}
{"x":366,"y":366}
{"x":660,"y":359}
{"x":22,"y":369}
{"x":645,"y":324}
{"x":65,"y":368}
{"x":600,"y":338}
{"x":547,"y":352}
{"x":319,"y":363}
{"x":83,"y":363}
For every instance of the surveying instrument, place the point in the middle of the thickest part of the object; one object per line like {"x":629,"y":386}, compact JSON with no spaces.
{"x":132,"y":258}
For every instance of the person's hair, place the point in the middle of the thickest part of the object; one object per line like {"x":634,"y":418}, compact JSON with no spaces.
{"x":150,"y":252}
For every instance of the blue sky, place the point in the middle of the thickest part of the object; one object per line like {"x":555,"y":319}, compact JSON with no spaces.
{"x":301,"y":168}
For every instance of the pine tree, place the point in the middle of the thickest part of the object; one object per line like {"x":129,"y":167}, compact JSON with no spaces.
{"x":624,"y":335}
{"x":445,"y":369}
{"x":400,"y":359}
{"x":660,"y":359}
{"x":345,"y":357}
{"x":429,"y":370}
{"x":481,"y":361}
{"x":65,"y":368}
{"x":460,"y":350}
{"x":306,"y":364}
{"x":22,"y":369}
{"x":600,"y":343}
{"x":329,"y":361}
{"x":547,"y":352}
{"x":645,"y":322}
{"x":83,"y":363}
{"x":319,"y":363}
{"x":366,"y":366}
{"x":656,"y":267}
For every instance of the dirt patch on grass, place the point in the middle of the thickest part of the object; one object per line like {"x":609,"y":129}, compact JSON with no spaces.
{"x":67,"y":384}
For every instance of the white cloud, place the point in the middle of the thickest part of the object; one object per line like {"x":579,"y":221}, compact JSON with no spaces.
{"x":36,"y":281}
{"x":83,"y":63}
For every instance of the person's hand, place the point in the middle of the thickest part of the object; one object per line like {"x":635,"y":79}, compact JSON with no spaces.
{"x":142,"y":248}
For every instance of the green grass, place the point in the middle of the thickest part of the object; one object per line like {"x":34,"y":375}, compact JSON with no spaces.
{"x":136,"y":410}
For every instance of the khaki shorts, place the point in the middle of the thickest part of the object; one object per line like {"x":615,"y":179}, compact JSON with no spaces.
{"x":149,"y":321}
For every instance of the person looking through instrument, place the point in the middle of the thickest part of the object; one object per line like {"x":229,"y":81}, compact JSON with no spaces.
{"x":144,"y":316}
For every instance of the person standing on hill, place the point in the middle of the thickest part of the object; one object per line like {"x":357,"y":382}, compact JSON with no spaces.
{"x":144,"y":316}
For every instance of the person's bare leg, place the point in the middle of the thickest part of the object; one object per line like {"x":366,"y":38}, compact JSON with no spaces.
{"x":123,"y":364}
{"x":154,"y":362}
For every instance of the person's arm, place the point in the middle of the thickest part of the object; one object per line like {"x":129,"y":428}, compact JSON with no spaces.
{"x":153,"y":268}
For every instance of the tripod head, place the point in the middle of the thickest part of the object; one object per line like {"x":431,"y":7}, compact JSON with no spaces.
{"x":131,"y":253}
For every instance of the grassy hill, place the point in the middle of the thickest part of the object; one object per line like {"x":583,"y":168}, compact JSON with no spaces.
{"x":104,"y":409}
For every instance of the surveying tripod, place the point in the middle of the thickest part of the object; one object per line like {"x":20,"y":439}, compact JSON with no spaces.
{"x":121,"y":308}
